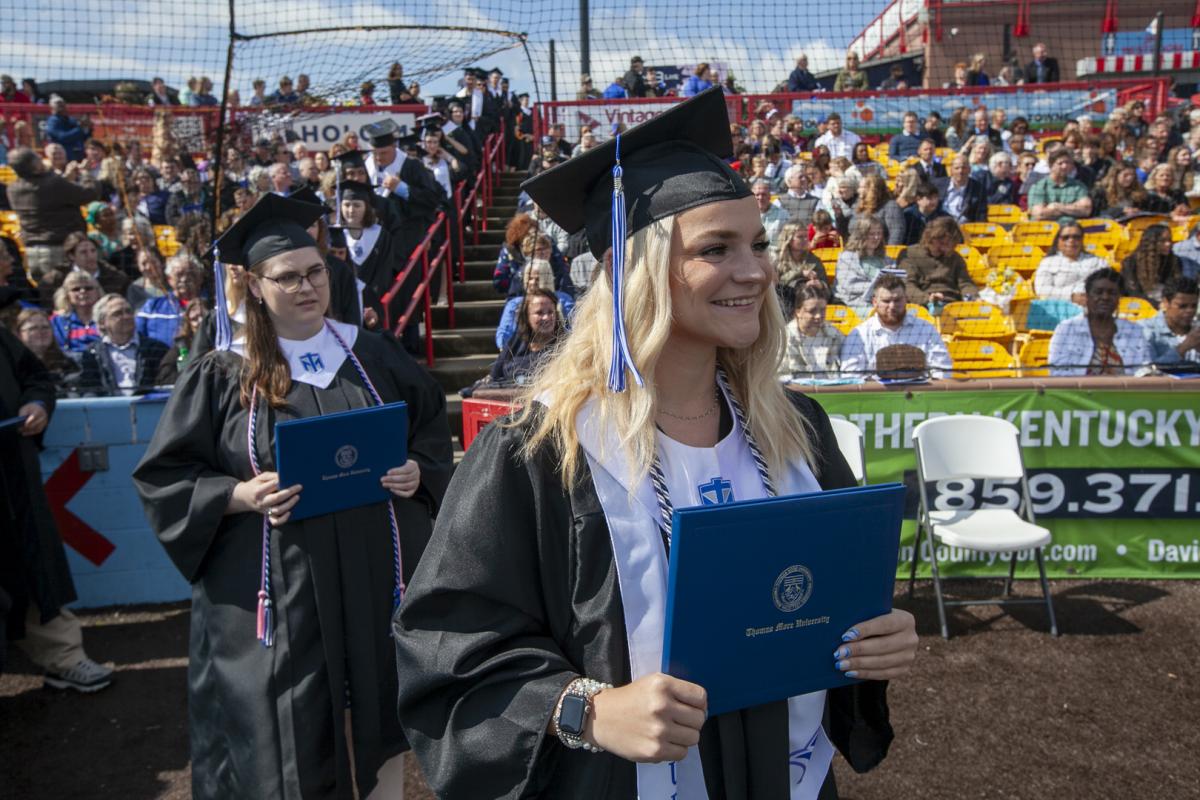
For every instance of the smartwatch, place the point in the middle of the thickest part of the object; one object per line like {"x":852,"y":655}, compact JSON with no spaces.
{"x":570,"y":717}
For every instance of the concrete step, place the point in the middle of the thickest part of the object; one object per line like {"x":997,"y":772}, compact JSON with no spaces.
{"x":455,"y":342}
{"x":482,"y":269}
{"x":477,"y":289}
{"x":471,"y":314}
{"x":458,"y":371}
{"x":482,"y":252}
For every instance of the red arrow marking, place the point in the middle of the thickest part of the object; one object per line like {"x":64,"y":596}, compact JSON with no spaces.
{"x":65,"y":483}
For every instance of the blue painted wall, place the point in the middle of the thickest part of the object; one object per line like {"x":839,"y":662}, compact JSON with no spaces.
{"x":138,"y":570}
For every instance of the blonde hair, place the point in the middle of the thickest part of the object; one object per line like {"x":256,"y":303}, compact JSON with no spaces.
{"x":577,"y":370}
{"x":62,"y":295}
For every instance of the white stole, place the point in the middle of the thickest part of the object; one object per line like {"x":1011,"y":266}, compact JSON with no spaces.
{"x":317,"y":359}
{"x":641,"y":565}
{"x":359,"y":248}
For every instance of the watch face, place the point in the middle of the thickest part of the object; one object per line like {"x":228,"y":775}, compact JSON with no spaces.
{"x":571,"y":719}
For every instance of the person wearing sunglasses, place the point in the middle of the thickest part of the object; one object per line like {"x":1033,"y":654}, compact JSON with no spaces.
{"x":292,"y":676}
{"x":1060,"y":275}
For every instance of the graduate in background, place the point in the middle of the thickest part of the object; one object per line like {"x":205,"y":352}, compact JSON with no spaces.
{"x":545,"y":582}
{"x":291,"y":674}
{"x":345,"y":294}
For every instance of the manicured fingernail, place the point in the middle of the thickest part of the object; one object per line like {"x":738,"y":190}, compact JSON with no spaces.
{"x":851,"y":674}
{"x":841,"y":652}
{"x":842,"y":665}
{"x":850,"y":635}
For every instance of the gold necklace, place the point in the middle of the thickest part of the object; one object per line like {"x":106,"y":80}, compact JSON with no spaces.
{"x":708,"y":413}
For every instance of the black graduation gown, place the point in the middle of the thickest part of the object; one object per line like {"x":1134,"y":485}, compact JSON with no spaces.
{"x":517,"y":594}
{"x":343,"y":293}
{"x":33,"y":563}
{"x":379,"y":271}
{"x":267,"y":722}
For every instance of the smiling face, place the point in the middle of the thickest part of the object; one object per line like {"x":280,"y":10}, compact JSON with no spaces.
{"x":541,"y":312}
{"x":1070,"y":241}
{"x":36,"y":334}
{"x":720,"y":272}
{"x":299,"y":314}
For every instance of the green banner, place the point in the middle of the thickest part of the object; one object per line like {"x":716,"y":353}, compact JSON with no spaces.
{"x":1114,"y":475}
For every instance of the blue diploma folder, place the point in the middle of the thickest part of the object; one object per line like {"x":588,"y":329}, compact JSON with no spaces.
{"x":339,"y":458}
{"x":760,"y":592}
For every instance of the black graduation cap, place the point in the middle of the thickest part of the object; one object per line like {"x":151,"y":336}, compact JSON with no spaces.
{"x":496,"y":71}
{"x":307,"y":195}
{"x":357,"y":190}
{"x":380,"y":134}
{"x":412,"y":143}
{"x":431,"y":120}
{"x":669,"y":164}
{"x":273,"y":225}
{"x":337,"y":238}
{"x":480,"y":74}
{"x":350,"y":158}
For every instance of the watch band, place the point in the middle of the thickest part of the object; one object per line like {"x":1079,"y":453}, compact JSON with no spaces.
{"x":585,"y":689}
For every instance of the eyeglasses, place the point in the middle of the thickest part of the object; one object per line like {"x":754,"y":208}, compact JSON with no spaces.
{"x":1066,"y":236}
{"x":290,"y":282}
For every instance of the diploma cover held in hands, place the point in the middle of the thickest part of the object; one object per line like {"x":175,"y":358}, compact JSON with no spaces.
{"x":339,"y":458}
{"x":760,"y":592}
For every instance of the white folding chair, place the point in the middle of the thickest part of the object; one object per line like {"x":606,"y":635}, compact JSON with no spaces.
{"x":970,"y":447}
{"x":850,"y":442}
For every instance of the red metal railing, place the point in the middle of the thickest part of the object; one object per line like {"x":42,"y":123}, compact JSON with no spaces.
{"x":478,"y":200}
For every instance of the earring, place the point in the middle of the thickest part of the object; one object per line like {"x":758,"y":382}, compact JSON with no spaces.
{"x":260,"y":301}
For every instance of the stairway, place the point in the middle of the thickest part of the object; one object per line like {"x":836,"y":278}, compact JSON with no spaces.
{"x":465,"y":353}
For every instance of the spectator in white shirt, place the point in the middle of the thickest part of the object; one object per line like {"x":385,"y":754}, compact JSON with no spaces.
{"x":1097,"y":342}
{"x":890,"y":325}
{"x":1061,"y":274}
{"x":839,"y":141}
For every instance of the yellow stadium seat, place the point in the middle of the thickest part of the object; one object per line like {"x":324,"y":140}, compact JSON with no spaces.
{"x":1044,"y":143}
{"x":974,"y":319}
{"x":1139,"y":224}
{"x":1005,"y":214}
{"x":828,"y":255}
{"x":984,"y":235}
{"x":842,"y":317}
{"x":979,"y":358}
{"x":6,"y":174}
{"x":1101,"y":231}
{"x":946,"y":154}
{"x":1034,"y":358}
{"x":1040,"y":233}
{"x":971,"y":255}
{"x":1100,"y":251}
{"x":1179,"y":232}
{"x":168,"y":247}
{"x":1135,"y":309}
{"x":1023,"y":258}
{"x":894,"y":250}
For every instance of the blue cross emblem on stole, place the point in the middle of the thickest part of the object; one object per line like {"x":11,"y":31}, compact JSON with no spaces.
{"x":716,"y":492}
{"x":311,"y":362}
{"x":358,"y":251}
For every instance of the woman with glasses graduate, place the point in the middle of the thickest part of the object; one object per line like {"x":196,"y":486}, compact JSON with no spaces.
{"x":544,"y":585}
{"x":291,"y":673}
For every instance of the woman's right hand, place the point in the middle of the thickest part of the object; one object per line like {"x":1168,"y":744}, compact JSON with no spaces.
{"x":261,"y":494}
{"x":655,"y":718}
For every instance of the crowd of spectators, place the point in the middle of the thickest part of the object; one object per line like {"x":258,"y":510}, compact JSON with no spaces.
{"x":106,"y":257}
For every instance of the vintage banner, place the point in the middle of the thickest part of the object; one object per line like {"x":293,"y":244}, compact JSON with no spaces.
{"x":1115,"y":475}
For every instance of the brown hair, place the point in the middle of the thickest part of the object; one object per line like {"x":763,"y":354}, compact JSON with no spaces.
{"x":873,"y":194}
{"x":518,"y":228}
{"x":942,"y":226}
{"x":264,"y":366}
{"x":1113,"y":194}
{"x":73,"y":240}
{"x":524,"y":330}
{"x":54,"y":358}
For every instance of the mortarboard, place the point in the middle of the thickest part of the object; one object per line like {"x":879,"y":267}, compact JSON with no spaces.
{"x":273,"y":225}
{"x":350,"y":158}
{"x":307,"y":195}
{"x":337,"y":238}
{"x":380,"y":134}
{"x":431,"y":120}
{"x":662,"y":167}
{"x":412,"y":144}
{"x":357,"y":190}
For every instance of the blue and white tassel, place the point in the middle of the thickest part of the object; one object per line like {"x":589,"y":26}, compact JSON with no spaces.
{"x":621,"y":357}
{"x":224,"y":339}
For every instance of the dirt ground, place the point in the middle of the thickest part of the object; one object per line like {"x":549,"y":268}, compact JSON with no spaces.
{"x":1108,"y":710}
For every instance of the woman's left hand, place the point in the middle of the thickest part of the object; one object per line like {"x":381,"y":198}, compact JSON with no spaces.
{"x":879,"y":649}
{"x":402,"y":481}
